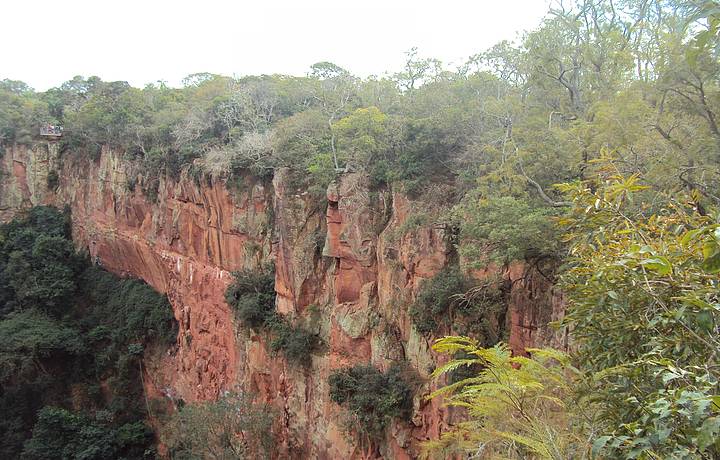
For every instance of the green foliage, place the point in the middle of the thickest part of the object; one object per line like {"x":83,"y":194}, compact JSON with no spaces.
{"x":517,"y":407}
{"x":231,"y":427}
{"x":372,"y":397}
{"x":642,"y":287}
{"x":505,"y":229}
{"x":302,"y":142}
{"x":364,"y":140}
{"x":435,"y":300}
{"x":414,"y":222}
{"x":710,"y":11}
{"x":61,"y":434}
{"x":21,"y":113}
{"x":451,"y":300}
{"x":65,"y":327}
{"x":40,"y":275}
{"x":128,"y":309}
{"x":252,"y":296}
{"x":52,"y":180}
{"x":322,"y":169}
{"x":16,"y":402}
{"x":639,"y":79}
{"x":27,"y":338}
{"x":38,"y":262}
{"x":295,"y":342}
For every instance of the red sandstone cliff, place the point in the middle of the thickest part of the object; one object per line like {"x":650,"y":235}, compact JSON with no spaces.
{"x":340,"y":265}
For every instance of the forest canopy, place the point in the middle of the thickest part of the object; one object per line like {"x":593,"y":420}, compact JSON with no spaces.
{"x":72,"y":338}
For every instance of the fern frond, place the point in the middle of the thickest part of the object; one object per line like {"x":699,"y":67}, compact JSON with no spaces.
{"x":535,"y":446}
{"x":453,"y":365}
{"x":559,"y":402}
{"x":448,"y":389}
{"x":512,"y":401}
{"x":549,"y":353}
{"x":453,"y":344}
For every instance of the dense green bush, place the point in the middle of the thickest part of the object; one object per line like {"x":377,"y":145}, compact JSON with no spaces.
{"x":66,"y":328}
{"x":28,"y":338}
{"x":61,"y":434}
{"x":252,"y":296}
{"x":38,"y":263}
{"x":233,"y":427}
{"x":373,"y":397}
{"x":52,"y":179}
{"x":643,"y":308}
{"x":295,"y":342}
{"x":436,"y":298}
{"x":504,"y":229}
{"x":452,"y":300}
{"x":133,"y":309}
{"x":21,"y":112}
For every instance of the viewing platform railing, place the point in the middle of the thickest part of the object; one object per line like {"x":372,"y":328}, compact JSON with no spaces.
{"x":51,"y":131}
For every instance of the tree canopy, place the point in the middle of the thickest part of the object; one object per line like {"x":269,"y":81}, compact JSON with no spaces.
{"x":67,"y":330}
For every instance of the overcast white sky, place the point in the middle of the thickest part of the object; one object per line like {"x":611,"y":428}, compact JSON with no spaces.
{"x":47,"y":42}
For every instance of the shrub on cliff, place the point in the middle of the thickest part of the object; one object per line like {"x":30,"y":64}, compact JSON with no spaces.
{"x":252,"y":296}
{"x":451,"y":300}
{"x":231,"y":427}
{"x":295,"y":342}
{"x":124,"y":311}
{"x":373,"y":397}
{"x":436,"y":298}
{"x":52,"y":180}
{"x":503,"y":229}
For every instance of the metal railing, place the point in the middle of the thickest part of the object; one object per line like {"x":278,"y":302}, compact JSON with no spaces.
{"x":51,"y":130}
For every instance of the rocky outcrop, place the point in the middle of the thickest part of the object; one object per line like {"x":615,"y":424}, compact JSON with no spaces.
{"x":185,"y":245}
{"x":535,"y":302}
{"x":346,"y":265}
{"x":24,"y":177}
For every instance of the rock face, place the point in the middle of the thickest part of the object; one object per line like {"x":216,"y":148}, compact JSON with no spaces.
{"x":345,"y":267}
{"x":24,"y":177}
